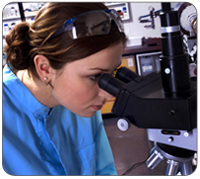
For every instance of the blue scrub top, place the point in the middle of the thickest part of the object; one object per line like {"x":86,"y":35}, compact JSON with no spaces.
{"x":41,"y":141}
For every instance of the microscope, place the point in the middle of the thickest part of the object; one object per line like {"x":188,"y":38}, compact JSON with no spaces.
{"x":165,"y":104}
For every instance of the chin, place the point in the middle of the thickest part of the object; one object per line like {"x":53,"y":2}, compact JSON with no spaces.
{"x":87,"y":115}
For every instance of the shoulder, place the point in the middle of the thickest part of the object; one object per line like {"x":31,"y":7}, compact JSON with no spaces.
{"x":11,"y":87}
{"x":8,"y":75}
{"x":7,"y":80}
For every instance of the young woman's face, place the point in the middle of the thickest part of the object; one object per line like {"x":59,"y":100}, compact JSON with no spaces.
{"x":77,"y":89}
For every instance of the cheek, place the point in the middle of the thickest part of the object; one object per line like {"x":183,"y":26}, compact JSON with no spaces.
{"x":84,"y":94}
{"x":75,"y":93}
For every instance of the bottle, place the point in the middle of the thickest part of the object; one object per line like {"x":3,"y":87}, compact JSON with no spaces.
{"x":13,"y":12}
{"x":32,"y":20}
{"x":12,"y":25}
{"x":6,"y":12}
{"x":125,"y":12}
{"x":6,"y":29}
{"x":121,"y":14}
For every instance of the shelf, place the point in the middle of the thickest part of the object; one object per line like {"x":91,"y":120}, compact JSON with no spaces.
{"x":150,"y":45}
{"x":11,"y":18}
{"x":113,"y":4}
{"x":31,"y":14}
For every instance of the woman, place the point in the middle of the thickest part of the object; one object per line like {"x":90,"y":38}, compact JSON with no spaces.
{"x":51,"y":101}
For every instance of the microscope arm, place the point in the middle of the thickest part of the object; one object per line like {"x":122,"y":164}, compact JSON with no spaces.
{"x":145,"y":105}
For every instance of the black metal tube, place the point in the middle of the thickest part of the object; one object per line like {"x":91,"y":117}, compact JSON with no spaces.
{"x":21,"y":11}
{"x":110,"y":84}
{"x":174,"y":61}
{"x":166,"y":6}
{"x":126,"y":75}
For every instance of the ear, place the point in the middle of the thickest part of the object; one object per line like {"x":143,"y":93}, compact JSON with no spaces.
{"x":43,"y":67}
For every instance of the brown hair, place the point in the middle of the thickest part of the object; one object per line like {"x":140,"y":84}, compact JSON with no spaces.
{"x":25,"y":42}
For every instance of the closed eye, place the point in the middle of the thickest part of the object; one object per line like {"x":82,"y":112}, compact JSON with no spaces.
{"x":95,"y":77}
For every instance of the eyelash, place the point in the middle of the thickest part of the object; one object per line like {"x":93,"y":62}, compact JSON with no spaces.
{"x":97,"y":76}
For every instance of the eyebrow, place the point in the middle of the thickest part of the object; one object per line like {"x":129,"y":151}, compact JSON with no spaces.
{"x":102,"y":69}
{"x":97,"y":68}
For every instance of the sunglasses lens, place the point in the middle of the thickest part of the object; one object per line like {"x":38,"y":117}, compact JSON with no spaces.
{"x":90,"y":25}
{"x":117,"y":20}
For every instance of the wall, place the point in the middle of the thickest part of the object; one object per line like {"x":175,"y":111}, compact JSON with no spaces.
{"x":134,"y":29}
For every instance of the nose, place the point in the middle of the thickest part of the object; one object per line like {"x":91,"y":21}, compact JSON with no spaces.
{"x":104,"y":94}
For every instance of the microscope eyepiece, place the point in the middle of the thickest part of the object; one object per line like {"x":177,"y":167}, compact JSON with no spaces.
{"x":126,"y":75}
{"x":110,"y":84}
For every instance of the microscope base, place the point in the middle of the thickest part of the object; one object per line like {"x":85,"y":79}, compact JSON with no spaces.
{"x":176,"y":158}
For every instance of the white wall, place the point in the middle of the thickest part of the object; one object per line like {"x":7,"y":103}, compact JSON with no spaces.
{"x":134,"y":29}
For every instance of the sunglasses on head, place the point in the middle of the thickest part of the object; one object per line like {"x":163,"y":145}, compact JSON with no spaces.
{"x":90,"y":23}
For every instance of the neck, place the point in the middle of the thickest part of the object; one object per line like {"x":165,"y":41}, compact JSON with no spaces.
{"x":41,"y":91}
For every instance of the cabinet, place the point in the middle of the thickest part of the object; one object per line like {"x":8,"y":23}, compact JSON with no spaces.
{"x":11,"y":17}
{"x":14,"y":13}
{"x":121,"y":8}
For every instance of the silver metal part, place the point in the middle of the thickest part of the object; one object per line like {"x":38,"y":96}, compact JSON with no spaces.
{"x":172,"y":167}
{"x":173,"y":162}
{"x":154,"y":159}
{"x":185,"y":139}
{"x":170,"y":29}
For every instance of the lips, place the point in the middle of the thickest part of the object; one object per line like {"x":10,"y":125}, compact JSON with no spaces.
{"x":97,"y":107}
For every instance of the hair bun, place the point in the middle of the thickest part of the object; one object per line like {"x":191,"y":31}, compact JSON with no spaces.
{"x":18,"y":47}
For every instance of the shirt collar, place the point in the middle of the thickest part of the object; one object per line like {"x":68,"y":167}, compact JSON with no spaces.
{"x":21,"y":93}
